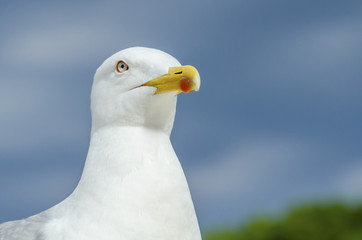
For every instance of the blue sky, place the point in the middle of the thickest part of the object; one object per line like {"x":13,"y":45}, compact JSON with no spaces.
{"x":277,"y":120}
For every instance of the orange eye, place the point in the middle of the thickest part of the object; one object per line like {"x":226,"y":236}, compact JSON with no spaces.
{"x":122,"y":66}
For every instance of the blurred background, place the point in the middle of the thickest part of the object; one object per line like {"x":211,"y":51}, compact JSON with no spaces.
{"x":277,"y":121}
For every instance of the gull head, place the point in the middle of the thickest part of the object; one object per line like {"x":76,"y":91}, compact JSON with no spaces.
{"x":138,"y":87}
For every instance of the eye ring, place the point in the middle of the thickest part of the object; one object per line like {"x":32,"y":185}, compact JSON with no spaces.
{"x":122,"y":66}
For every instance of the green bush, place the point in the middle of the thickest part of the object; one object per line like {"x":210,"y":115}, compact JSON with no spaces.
{"x":330,"y":221}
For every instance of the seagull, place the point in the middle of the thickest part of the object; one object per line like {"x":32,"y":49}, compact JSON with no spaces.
{"x":132,"y":186}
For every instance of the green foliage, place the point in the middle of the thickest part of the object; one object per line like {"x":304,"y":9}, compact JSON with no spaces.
{"x":332,"y":221}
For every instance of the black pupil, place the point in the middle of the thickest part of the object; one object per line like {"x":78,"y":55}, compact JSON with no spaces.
{"x":122,"y":66}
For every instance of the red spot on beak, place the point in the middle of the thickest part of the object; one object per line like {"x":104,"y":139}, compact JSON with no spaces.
{"x":185,"y":85}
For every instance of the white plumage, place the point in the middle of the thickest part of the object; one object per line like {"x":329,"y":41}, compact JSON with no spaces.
{"x":132,"y":186}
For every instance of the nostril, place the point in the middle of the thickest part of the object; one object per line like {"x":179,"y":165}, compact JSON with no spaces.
{"x":178,"y":72}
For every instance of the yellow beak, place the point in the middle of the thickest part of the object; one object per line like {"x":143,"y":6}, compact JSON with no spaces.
{"x":179,"y":79}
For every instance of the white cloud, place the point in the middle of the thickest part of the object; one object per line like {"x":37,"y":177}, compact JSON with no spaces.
{"x":33,"y":114}
{"x":51,"y":48}
{"x":329,"y":43}
{"x":248,"y":177}
{"x":315,"y":52}
{"x":248,"y":166}
{"x":349,"y":180}
{"x":263,"y":174}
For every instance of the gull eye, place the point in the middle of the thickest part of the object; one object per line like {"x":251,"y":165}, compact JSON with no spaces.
{"x":122,"y":66}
